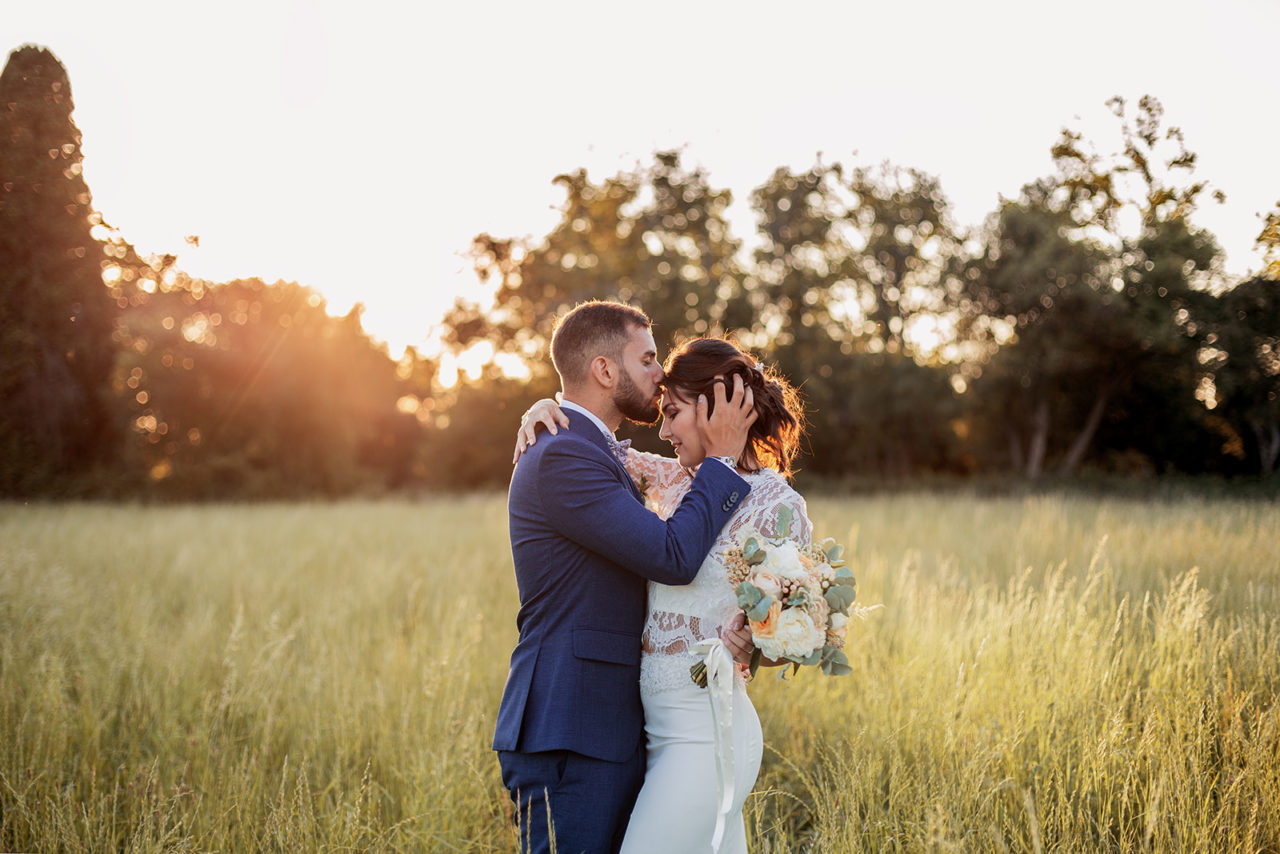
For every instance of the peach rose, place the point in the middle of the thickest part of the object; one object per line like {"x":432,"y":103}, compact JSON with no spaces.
{"x":765,"y":629}
{"x":767,"y":583}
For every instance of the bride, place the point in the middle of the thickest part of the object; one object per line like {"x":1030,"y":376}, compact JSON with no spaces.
{"x":703,"y":757}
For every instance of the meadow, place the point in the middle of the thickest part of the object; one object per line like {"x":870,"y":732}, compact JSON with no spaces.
{"x":1047,"y":673}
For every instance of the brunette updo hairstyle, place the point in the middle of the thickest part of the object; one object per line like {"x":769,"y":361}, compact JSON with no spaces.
{"x":774,"y":439}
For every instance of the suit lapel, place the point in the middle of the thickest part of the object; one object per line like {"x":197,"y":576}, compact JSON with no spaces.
{"x":583,"y":426}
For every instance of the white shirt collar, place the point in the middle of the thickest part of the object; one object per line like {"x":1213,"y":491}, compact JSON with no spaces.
{"x":569,"y":404}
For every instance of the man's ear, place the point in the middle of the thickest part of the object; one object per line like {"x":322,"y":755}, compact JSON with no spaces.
{"x":604,"y":371}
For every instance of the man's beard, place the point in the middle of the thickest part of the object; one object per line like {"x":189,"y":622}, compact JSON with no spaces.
{"x":632,"y":402}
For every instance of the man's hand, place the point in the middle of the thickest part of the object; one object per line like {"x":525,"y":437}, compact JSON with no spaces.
{"x":724,"y":431}
{"x":736,"y":636}
{"x":545,"y":413}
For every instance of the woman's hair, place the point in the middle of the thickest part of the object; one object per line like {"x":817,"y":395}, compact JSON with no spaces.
{"x":774,"y":439}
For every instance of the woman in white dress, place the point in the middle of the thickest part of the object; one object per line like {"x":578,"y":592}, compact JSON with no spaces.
{"x":694,"y":788}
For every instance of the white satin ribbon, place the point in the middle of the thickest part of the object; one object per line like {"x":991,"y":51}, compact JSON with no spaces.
{"x":720,"y":675}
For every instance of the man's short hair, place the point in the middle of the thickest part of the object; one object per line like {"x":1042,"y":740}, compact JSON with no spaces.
{"x":592,"y":329}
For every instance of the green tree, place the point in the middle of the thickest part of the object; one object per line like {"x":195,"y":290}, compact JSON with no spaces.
{"x":911,"y":260}
{"x":656,"y":238}
{"x":1244,"y":358}
{"x":470,"y":443}
{"x":1049,"y":293}
{"x":55,"y":315}
{"x":249,"y":389}
{"x":1159,"y":278}
{"x":842,"y":270}
{"x":1269,"y":241}
{"x":804,"y":281}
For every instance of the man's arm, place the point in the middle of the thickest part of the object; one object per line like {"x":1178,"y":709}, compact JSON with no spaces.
{"x":585,"y":502}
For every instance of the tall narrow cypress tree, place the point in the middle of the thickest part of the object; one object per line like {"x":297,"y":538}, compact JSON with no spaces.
{"x":55,"y":314}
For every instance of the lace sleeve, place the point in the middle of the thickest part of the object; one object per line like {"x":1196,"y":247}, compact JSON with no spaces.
{"x":766,"y":512}
{"x":662,"y":480}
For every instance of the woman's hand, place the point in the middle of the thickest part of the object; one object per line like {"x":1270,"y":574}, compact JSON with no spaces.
{"x":724,"y":431}
{"x":546,"y":413}
{"x":736,"y":636}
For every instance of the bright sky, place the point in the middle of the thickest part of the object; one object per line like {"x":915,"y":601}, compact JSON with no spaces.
{"x":357,"y":147}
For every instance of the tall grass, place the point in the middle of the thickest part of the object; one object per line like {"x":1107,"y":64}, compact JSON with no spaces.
{"x":1047,"y":674}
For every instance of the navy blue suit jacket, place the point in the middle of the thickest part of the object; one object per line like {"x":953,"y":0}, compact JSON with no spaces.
{"x":583,"y":545}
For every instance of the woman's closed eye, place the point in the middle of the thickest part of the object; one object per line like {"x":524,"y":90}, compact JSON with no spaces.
{"x":672,"y":409}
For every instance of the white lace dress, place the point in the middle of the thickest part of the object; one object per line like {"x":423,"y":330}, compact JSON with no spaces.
{"x":678,"y":805}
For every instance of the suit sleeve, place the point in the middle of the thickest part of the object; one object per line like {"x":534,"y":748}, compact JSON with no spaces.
{"x":585,"y":502}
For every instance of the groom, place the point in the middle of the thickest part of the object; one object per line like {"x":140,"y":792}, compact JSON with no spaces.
{"x":570,"y":727}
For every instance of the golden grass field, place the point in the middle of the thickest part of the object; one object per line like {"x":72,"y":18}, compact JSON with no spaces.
{"x":1046,"y":674}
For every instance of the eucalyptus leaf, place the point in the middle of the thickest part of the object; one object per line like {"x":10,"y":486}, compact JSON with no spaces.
{"x":844,"y":575}
{"x":812,"y":658}
{"x":840,"y":597}
{"x":834,"y":553}
{"x":758,"y":612}
{"x":748,"y":595}
{"x":784,"y":522}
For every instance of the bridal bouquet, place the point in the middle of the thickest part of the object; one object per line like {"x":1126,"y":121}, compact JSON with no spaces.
{"x":797,"y":599}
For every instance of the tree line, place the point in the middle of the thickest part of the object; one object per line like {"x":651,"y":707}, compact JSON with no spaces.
{"x":1085,"y":326}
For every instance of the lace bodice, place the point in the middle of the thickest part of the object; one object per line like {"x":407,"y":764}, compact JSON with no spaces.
{"x":680,"y":616}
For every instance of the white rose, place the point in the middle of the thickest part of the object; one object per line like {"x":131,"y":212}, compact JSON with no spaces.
{"x":838,"y":620}
{"x":783,"y":560}
{"x":796,"y":636}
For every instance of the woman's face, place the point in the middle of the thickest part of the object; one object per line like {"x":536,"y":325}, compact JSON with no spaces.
{"x":679,"y":427}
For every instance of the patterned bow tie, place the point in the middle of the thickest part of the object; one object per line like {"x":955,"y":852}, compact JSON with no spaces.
{"x":619,"y":448}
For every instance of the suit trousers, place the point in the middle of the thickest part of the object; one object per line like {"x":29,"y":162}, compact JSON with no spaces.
{"x":587,"y":800}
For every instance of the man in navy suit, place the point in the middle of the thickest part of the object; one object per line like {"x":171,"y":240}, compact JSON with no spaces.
{"x":570,"y":728}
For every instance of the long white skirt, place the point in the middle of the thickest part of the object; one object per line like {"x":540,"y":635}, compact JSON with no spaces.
{"x":676,"y":808}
